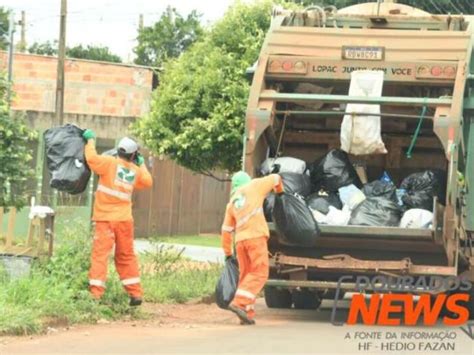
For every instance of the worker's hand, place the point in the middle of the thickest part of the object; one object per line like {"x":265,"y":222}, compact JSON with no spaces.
{"x":227,"y":257}
{"x":88,"y":134}
{"x":139,"y":160}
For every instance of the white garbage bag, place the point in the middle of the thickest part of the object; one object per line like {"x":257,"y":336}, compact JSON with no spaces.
{"x":417,"y":218}
{"x":351,"y":196}
{"x":283,"y":165}
{"x":334,"y":217}
{"x":362,"y":134}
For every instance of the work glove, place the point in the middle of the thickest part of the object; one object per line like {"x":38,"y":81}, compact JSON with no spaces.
{"x":88,"y":134}
{"x":227,"y":257}
{"x":139,"y":160}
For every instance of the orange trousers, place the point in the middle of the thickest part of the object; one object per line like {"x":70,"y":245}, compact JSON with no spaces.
{"x":108,"y":234}
{"x":252,"y":255}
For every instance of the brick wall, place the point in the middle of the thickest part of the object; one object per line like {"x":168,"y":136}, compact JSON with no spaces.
{"x":91,"y":87}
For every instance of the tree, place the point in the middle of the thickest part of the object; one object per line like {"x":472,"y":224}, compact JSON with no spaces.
{"x":197,"y":113}
{"x":44,"y":48}
{"x":89,"y":52}
{"x":4,"y":22}
{"x":93,"y":53}
{"x":14,"y":153}
{"x":167,"y":38}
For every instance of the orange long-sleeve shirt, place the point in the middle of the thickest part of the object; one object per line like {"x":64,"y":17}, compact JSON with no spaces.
{"x":117,"y":180}
{"x":244,"y":213}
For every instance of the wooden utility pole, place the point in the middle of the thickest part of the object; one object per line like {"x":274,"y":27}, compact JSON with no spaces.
{"x":140,"y":22}
{"x":22,"y":43}
{"x":11,"y":32}
{"x":61,"y":58}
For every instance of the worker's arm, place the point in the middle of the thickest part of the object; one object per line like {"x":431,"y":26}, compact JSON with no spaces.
{"x":267,"y":184}
{"x":144,"y":179}
{"x":99,"y":164}
{"x":228,"y":227}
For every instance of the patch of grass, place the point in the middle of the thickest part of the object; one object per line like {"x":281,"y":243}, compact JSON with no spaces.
{"x":56,"y":291}
{"x":170,"y":278}
{"x":200,"y":240}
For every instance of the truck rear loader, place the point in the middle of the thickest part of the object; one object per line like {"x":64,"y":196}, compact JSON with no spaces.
{"x":428,"y":81}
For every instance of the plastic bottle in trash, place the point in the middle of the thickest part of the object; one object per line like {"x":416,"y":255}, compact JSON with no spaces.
{"x":386,"y":178}
{"x":400,"y":193}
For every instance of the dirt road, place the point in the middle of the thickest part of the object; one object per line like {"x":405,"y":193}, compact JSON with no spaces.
{"x":205,"y":329}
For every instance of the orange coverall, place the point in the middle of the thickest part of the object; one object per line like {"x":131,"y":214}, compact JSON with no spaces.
{"x":113,"y":219}
{"x":244,"y":216}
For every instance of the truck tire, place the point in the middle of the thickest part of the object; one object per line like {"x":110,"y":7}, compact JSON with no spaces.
{"x":277,"y":298}
{"x":306,"y":299}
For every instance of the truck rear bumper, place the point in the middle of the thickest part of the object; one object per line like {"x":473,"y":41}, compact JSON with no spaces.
{"x":344,"y":263}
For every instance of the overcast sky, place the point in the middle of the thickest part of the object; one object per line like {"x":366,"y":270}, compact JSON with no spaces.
{"x":112,"y":23}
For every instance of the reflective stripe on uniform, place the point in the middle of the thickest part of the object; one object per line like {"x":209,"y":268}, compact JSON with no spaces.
{"x":245,"y":294}
{"x":246,"y":218}
{"x":99,"y":283}
{"x":119,"y":194}
{"x":131,"y":281}
{"x":227,"y":229}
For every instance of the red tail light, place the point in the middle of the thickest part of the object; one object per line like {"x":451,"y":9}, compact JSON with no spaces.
{"x":436,"y":71}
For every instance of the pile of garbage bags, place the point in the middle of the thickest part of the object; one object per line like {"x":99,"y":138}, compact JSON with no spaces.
{"x":65,"y":159}
{"x":330,"y":192}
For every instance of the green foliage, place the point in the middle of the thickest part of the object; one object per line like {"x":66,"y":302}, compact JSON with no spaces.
{"x":200,"y":240}
{"x":171,"y":35}
{"x":197,"y":113}
{"x":44,"y":48}
{"x":89,"y":52}
{"x":170,"y":278}
{"x":56,"y":291}
{"x":14,"y":153}
{"x":4,"y":21}
{"x":93,"y":53}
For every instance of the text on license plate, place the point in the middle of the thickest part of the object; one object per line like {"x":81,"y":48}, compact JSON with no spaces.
{"x":363,"y":53}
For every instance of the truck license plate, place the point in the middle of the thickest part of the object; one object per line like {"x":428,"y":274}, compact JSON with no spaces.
{"x":363,"y":53}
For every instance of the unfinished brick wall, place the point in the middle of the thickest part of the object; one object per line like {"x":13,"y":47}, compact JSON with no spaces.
{"x":91,"y":87}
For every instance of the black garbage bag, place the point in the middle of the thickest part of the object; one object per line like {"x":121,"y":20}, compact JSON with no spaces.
{"x":227,"y":284}
{"x":65,"y":159}
{"x":268,"y":204}
{"x":380,"y":188}
{"x":321,"y":203}
{"x":296,"y":183}
{"x":294,"y":221}
{"x":333,"y":171}
{"x":376,"y":211}
{"x":422,"y":187}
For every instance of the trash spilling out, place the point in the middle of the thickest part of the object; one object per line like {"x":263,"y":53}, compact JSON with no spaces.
{"x":65,"y":159}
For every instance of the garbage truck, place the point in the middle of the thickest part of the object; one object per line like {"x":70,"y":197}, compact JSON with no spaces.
{"x":297,"y":101}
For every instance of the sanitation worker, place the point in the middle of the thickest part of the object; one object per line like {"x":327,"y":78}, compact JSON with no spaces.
{"x":244,"y":217}
{"x":118,"y":177}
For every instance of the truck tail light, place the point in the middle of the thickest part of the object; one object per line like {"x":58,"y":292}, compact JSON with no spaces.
{"x":436,"y":71}
{"x":450,"y":71}
{"x":287,"y":66}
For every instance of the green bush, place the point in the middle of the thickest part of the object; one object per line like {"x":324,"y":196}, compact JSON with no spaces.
{"x":56,"y":291}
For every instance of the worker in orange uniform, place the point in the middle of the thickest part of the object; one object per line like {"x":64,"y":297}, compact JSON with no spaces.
{"x":118,"y":177}
{"x":244,"y":216}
